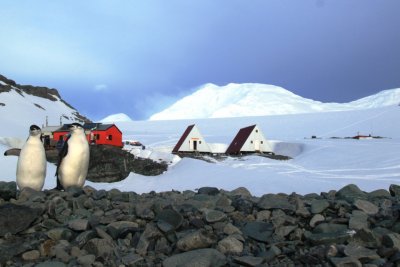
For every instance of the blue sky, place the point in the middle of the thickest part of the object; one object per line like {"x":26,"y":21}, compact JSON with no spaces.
{"x":138,"y":57}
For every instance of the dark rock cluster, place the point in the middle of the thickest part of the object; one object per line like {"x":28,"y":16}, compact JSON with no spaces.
{"x":110,"y":164}
{"x":210,"y":227}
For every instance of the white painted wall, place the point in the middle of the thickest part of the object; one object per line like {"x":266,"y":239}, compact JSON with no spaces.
{"x":188,"y":144}
{"x":256,"y":139}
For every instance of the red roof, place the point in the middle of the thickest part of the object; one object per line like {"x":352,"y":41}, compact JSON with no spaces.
{"x":182,"y":139}
{"x":239,"y":140}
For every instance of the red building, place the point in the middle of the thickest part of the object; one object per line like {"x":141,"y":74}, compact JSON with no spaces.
{"x":96,"y":133}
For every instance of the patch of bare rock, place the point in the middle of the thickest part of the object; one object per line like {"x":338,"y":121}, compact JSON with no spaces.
{"x":210,"y":227}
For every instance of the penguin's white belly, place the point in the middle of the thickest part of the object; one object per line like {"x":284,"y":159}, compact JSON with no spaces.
{"x":74,"y":166}
{"x":31,"y":166}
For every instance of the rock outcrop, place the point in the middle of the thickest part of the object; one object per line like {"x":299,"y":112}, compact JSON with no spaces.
{"x":110,"y":164}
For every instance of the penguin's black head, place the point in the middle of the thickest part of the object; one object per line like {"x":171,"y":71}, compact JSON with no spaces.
{"x":34,"y":130}
{"x":34,"y":127}
{"x":75,"y":126}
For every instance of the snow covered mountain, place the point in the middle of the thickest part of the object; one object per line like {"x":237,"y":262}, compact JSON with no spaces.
{"x":251,"y":99}
{"x":23,"y":105}
{"x":119,"y":117}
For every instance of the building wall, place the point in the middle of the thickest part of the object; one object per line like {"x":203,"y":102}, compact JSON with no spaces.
{"x":103,"y":136}
{"x":256,"y":140}
{"x":112,"y":136}
{"x":188,"y":144}
{"x":57,"y":135}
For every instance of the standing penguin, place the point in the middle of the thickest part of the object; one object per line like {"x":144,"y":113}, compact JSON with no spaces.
{"x":73,"y":162}
{"x":31,"y":166}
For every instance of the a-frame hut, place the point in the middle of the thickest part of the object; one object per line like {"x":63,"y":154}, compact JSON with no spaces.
{"x":249,"y":140}
{"x":191,"y":141}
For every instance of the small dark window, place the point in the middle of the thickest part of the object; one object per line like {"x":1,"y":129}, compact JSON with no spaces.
{"x":251,"y":142}
{"x":110,"y":137}
{"x":97,"y":136}
{"x":262,"y":142}
{"x":256,"y":131}
{"x":199,"y":142}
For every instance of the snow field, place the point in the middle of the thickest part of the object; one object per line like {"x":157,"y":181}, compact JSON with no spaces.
{"x":318,"y":164}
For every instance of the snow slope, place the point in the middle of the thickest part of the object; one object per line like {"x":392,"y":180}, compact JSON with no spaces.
{"x":18,"y":110}
{"x":251,"y":99}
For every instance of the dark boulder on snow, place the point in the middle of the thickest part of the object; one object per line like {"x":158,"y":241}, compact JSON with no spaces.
{"x":8,"y":190}
{"x":112,"y":164}
{"x":212,"y":191}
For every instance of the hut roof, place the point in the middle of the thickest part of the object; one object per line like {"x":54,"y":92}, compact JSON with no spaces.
{"x":240,"y":139}
{"x":182,"y":139}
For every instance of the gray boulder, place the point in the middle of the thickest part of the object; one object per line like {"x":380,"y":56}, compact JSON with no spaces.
{"x":230,"y":245}
{"x":51,"y":264}
{"x":345,"y":262}
{"x":213,"y":216}
{"x":394,"y":190}
{"x":249,"y":260}
{"x":211,"y":191}
{"x":15,"y":218}
{"x":195,"y":240}
{"x":360,"y":252}
{"x":100,"y":247}
{"x":169,"y":220}
{"x":272,"y":201}
{"x":207,"y":257}
{"x":319,"y":205}
{"x":260,"y":231}
{"x":350,"y":193}
{"x":366,"y":206}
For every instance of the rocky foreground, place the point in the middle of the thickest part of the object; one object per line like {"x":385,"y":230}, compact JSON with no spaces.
{"x":210,"y":227}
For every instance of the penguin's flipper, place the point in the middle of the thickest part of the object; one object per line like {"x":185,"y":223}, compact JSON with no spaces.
{"x":13,"y":152}
{"x":63,"y":152}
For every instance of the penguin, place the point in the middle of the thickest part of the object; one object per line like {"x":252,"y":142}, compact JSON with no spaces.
{"x":31,"y":165}
{"x":73,"y":162}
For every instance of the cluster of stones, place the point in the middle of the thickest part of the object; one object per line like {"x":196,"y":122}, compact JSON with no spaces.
{"x":210,"y":227}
